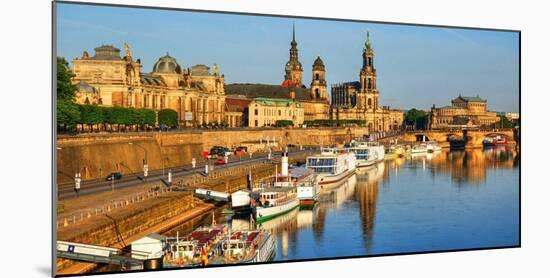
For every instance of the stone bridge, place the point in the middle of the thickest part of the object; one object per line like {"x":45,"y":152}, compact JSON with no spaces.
{"x":472,"y":137}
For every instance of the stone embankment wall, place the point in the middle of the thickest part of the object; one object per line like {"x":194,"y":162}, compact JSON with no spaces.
{"x":97,"y":155}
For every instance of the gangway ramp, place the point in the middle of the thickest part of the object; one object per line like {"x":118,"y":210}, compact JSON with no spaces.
{"x":96,"y":254}
{"x":207,"y":195}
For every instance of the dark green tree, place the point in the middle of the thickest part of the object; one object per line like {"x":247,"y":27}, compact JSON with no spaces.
{"x":68,"y":115}
{"x":283,"y":123}
{"x":91,"y":115}
{"x":65,"y":89}
{"x":416,"y":118}
{"x":148,"y":118}
{"x":168,"y":117}
{"x":504,"y":122}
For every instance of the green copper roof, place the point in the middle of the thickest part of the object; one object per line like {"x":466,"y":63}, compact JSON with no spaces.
{"x":276,"y":102}
{"x":472,"y":99}
{"x":368,"y":43}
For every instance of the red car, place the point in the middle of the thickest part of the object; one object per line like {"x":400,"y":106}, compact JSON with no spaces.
{"x":220,"y":161}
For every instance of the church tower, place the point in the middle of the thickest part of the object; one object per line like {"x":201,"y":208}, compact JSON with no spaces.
{"x":318,"y":82}
{"x":367,"y":76}
{"x":293,"y":68}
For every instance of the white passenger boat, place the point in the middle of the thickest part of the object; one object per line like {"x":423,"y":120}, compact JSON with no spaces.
{"x":332,"y":165}
{"x":432,"y":146}
{"x":275,"y":201}
{"x":244,"y":246}
{"x":420,"y":148}
{"x":367,"y":153}
{"x":302,"y":178}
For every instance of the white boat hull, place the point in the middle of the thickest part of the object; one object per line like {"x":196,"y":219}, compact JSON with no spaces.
{"x":265,"y":213}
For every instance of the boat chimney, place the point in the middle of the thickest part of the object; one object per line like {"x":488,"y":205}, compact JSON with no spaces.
{"x":284,"y":163}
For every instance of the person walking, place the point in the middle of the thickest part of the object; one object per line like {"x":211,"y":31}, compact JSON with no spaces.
{"x":77,"y":185}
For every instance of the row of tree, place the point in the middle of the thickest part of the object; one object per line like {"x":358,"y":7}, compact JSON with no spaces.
{"x":76,"y":117}
{"x":284,"y":123}
{"x":335,"y":122}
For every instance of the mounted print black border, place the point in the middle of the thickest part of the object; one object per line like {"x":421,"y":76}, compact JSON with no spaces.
{"x":54,"y":133}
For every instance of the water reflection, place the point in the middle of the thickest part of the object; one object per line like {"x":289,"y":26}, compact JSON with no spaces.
{"x":405,"y":205}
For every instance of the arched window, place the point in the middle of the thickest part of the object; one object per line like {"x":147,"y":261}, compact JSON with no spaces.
{"x":317,"y":94}
{"x":369,"y":102}
{"x":370,"y":61}
{"x":370,"y":84}
{"x":316,"y":76}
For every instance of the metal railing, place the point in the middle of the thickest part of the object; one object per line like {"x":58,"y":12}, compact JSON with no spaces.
{"x":81,"y":215}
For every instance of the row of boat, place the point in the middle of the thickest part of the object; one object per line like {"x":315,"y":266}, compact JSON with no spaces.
{"x":301,"y":185}
{"x":292,"y":187}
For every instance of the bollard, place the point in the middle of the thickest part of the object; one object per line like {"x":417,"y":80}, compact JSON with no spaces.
{"x":74,"y":219}
{"x":65,"y":222}
{"x":89,"y":215}
{"x":109,"y":208}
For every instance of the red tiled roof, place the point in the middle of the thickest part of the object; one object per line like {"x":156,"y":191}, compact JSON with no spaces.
{"x":237,"y":104}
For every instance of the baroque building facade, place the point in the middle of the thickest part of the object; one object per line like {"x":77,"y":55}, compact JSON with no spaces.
{"x":359,"y":100}
{"x":107,"y":79}
{"x":463,"y":112}
{"x":267,"y":111}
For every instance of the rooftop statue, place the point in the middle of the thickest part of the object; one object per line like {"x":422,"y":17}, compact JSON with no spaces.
{"x":127,"y":50}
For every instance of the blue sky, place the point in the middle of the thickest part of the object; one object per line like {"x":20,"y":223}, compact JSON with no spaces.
{"x":416,"y":66}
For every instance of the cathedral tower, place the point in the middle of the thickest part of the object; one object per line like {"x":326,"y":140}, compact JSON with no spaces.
{"x":293,"y":68}
{"x":318,"y":82}
{"x":367,"y":76}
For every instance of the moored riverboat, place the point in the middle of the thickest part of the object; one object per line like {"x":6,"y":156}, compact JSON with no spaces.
{"x":273,"y":202}
{"x":332,"y":165}
{"x":367,"y":153}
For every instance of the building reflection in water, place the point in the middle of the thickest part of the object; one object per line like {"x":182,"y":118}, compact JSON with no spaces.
{"x":467,"y":167}
{"x":366,"y":194}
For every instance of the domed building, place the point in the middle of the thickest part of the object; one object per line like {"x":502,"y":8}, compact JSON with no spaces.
{"x":167,"y":65}
{"x":107,"y":79}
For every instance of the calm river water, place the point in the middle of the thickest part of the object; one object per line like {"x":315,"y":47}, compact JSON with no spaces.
{"x":428,"y":202}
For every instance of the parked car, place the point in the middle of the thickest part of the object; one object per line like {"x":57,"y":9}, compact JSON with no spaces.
{"x":220,"y":151}
{"x":114,"y":175}
{"x":240,"y":150}
{"x":220,"y":161}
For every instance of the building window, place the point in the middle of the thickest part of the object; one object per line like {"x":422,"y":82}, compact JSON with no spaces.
{"x":316,"y":76}
{"x":370,"y":61}
{"x":370,"y":84}
{"x":255,"y":122}
{"x":317,"y":94}
{"x":256,"y":112}
{"x":369,"y":102}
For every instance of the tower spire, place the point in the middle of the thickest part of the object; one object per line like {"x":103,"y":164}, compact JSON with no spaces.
{"x":367,"y":43}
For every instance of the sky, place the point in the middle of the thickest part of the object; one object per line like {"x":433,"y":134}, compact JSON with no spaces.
{"x":416,"y":66}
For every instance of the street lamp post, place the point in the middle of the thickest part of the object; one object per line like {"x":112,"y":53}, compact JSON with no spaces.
{"x":145,"y":166}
